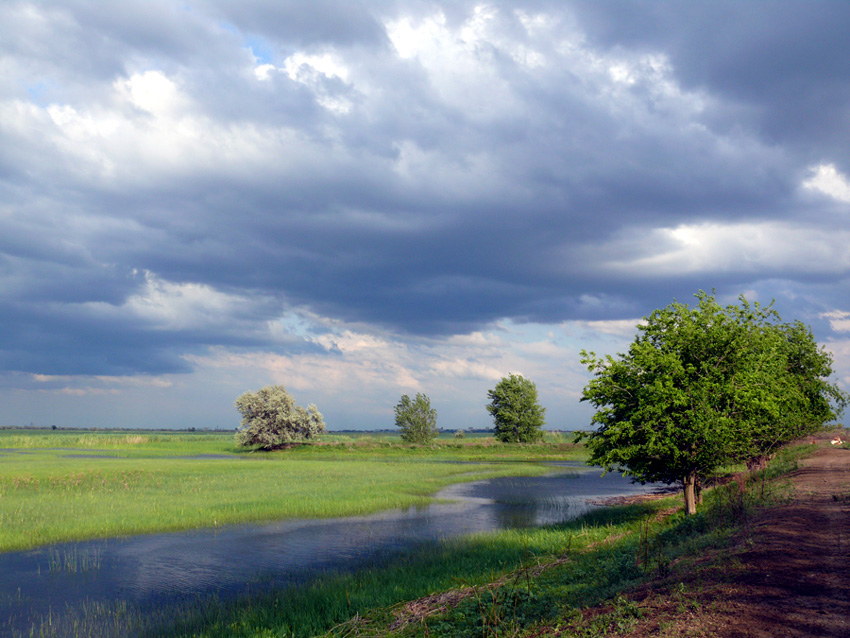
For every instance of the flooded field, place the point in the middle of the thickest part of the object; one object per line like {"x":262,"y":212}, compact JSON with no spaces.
{"x":145,"y":572}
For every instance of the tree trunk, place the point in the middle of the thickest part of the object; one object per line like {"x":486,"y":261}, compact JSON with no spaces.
{"x":689,"y":483}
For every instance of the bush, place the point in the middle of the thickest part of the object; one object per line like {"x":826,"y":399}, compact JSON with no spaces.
{"x":417,"y":419}
{"x":270,"y":419}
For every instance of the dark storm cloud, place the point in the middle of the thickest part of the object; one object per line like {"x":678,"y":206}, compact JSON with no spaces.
{"x":178,"y":176}
{"x":35,"y":341}
{"x":784,"y":64}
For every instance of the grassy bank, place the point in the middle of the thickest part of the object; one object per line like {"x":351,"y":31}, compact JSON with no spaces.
{"x":61,"y":486}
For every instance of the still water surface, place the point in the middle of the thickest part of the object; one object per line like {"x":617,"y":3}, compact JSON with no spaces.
{"x":146,"y":571}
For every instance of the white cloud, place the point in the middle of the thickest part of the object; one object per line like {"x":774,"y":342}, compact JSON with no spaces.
{"x":354,"y":384}
{"x":194,"y":308}
{"x":137,"y":381}
{"x":370,"y":371}
{"x":312,"y":70}
{"x":80,"y":386}
{"x":828,"y":180}
{"x":839,"y":320}
{"x":184,"y":306}
{"x":153,"y":92}
{"x":147,"y":133}
{"x":82,"y":126}
{"x":264,"y":72}
{"x":459,"y":60}
{"x":615,"y":327}
{"x":303,"y":67}
{"x":751,"y":248}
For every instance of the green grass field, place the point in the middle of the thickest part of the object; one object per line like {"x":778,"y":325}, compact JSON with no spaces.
{"x":60,"y":485}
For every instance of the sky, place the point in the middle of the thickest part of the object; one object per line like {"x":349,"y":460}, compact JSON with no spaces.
{"x":359,"y":200}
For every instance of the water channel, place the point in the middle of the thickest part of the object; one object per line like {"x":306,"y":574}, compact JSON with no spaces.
{"x":146,"y":571}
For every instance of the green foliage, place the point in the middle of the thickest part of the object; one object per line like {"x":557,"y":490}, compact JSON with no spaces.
{"x":518,"y":416}
{"x":416,"y":419}
{"x":270,"y":419}
{"x":789,"y":397}
{"x":703,"y":386}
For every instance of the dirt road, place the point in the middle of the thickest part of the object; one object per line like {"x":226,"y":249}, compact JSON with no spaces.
{"x":788,"y":578}
{"x":796,"y":577}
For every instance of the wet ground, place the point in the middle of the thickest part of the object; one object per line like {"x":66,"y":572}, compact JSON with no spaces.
{"x":148,"y":570}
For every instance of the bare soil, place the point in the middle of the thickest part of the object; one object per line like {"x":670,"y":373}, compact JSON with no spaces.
{"x":787,"y":575}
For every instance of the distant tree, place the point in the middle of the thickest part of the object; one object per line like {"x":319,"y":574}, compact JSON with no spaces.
{"x":702,"y":386}
{"x":416,"y":419}
{"x":518,"y":416}
{"x":270,"y":419}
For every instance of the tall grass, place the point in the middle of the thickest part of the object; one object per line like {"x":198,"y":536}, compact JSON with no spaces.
{"x":120,"y":441}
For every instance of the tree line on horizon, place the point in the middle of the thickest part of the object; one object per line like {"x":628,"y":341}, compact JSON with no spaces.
{"x":698,"y":388}
{"x":271,"y":419}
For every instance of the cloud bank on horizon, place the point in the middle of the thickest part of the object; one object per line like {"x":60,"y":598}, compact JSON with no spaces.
{"x":360,"y":200}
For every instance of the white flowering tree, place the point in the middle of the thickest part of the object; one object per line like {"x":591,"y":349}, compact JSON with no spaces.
{"x":270,"y":419}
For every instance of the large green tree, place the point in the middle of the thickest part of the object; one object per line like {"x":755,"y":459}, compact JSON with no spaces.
{"x":701,"y":386}
{"x":517,"y":415}
{"x":271,"y":420}
{"x":416,"y":419}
